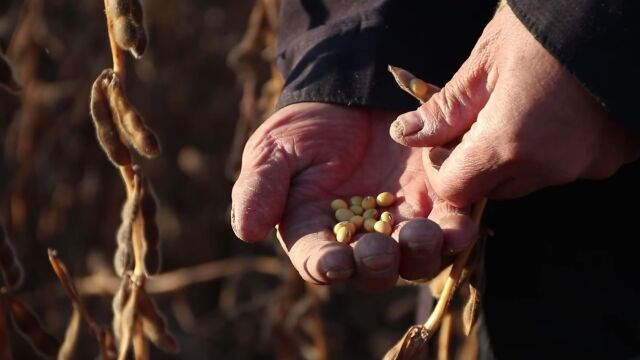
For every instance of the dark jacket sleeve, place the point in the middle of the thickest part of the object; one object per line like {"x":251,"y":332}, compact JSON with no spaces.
{"x":597,"y":41}
{"x":337,"y":51}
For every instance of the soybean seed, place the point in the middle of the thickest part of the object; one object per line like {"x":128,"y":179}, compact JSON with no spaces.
{"x":349,"y":225}
{"x":387,"y":217}
{"x":357,"y":209}
{"x":370,"y":214}
{"x":356,"y":200}
{"x":343,"y":214}
{"x":339,"y":204}
{"x":369,"y":202}
{"x":369,"y":225}
{"x":382,"y":227}
{"x":343,"y":235}
{"x":357,"y":220}
{"x":385,"y":199}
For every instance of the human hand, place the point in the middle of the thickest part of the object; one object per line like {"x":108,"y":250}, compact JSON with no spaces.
{"x":525,"y":123}
{"x":308,"y":154}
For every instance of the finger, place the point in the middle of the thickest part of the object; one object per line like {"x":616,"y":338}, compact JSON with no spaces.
{"x":306,"y":234}
{"x":420,"y":249}
{"x":450,"y":112}
{"x":377,"y":259}
{"x":259,"y":195}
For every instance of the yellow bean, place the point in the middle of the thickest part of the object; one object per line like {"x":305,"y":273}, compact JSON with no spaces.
{"x":356,"y":200}
{"x":339,"y":204}
{"x":370,"y":214}
{"x":369,"y":225}
{"x":385,"y":199}
{"x":357,"y":209}
{"x":369,"y":202}
{"x":349,"y":225}
{"x":419,"y":88}
{"x":382,"y":227}
{"x":357,"y":220}
{"x":387,"y":217}
{"x":343,"y":235}
{"x":344,"y":214}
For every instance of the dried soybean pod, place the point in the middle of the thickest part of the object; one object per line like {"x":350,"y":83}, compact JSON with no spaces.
{"x":408,"y":82}
{"x":153,"y":324}
{"x":125,"y":32}
{"x":137,"y":11}
{"x":30,"y":328}
{"x":142,"y":138}
{"x":123,"y":259}
{"x":150,"y":233}
{"x":118,"y":303}
{"x":8,"y":79}
{"x":106,"y":130}
{"x":10,"y":267}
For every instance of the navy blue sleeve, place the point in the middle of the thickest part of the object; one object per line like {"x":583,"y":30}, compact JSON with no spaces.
{"x":337,"y":51}
{"x":597,"y":41}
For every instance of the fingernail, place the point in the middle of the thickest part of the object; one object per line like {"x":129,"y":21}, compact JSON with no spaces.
{"x":437,"y":156}
{"x":408,"y":124}
{"x":339,"y":274}
{"x":337,"y":265}
{"x":378,"y":262}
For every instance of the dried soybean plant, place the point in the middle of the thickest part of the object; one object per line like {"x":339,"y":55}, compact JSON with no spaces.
{"x":465,"y":272}
{"x":24,"y":320}
{"x":136,"y":318}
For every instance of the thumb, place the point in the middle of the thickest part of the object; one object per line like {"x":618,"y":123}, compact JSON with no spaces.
{"x":449,"y":113}
{"x":260,"y":193}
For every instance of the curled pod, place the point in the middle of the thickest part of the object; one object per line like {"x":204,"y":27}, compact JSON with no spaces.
{"x":118,"y":304}
{"x":150,"y":232}
{"x":123,"y":259}
{"x":106,"y":130}
{"x":125,"y":32}
{"x":141,"y":43}
{"x":8,"y":79}
{"x":134,"y":128}
{"x":153,"y":324}
{"x":30,"y":328}
{"x":118,"y":8}
{"x":10,"y":267}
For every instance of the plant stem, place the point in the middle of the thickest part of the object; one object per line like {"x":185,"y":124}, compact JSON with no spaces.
{"x":436,"y":316}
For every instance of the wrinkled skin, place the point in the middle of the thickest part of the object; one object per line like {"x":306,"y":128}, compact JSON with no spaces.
{"x":524,"y":122}
{"x":308,"y":154}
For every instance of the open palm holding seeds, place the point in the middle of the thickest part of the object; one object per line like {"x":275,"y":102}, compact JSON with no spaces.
{"x":362,"y":214}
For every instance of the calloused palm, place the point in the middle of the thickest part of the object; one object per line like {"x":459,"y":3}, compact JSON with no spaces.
{"x":311,"y":153}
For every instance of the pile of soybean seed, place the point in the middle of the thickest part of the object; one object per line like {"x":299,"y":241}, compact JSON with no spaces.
{"x":362,"y":213}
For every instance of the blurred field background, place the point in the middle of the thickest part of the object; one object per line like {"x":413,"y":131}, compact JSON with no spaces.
{"x":223,"y":299}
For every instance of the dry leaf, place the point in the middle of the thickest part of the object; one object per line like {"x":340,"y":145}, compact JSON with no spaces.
{"x":29,"y":327}
{"x":413,"y":345}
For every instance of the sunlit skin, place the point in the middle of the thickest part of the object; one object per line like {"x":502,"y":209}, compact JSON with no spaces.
{"x":309,"y":154}
{"x":524,"y":120}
